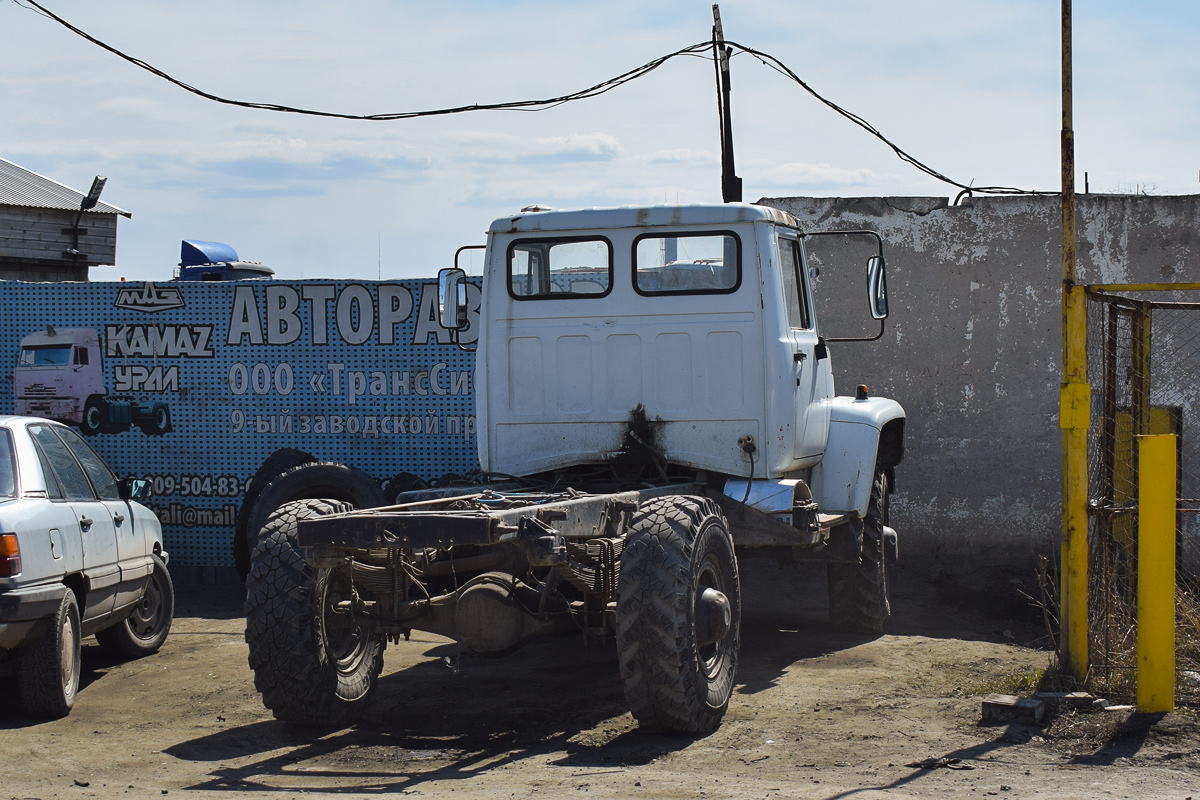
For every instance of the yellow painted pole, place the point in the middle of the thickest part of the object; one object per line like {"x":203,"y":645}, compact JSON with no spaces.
{"x":1074,"y":405}
{"x":1156,"y":574}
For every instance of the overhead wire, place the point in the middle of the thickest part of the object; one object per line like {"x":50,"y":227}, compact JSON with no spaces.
{"x":699,"y":50}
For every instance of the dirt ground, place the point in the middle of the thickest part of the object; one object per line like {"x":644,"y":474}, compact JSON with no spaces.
{"x":815,"y":714}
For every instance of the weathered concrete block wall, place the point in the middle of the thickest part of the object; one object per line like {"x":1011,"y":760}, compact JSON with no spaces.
{"x":973,"y":351}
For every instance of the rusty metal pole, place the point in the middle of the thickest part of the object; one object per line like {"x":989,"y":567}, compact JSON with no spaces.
{"x":1074,"y":405}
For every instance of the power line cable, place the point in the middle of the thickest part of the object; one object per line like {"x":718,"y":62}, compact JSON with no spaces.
{"x":518,"y":105}
{"x":698,"y":50}
{"x":777,"y":65}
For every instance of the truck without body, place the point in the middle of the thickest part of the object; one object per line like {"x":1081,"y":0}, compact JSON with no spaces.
{"x":60,"y":375}
{"x":654,"y":394}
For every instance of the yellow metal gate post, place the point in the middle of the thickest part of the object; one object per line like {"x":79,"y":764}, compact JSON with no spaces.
{"x":1156,"y":574}
{"x":1074,"y":405}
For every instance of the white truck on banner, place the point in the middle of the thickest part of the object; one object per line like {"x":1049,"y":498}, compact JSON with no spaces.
{"x":212,"y":390}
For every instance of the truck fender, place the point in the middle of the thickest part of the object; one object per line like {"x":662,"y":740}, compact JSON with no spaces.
{"x":862,"y":433}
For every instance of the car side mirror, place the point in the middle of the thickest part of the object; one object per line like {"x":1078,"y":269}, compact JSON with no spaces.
{"x":877,"y":287}
{"x":452,"y":299}
{"x":136,"y":489}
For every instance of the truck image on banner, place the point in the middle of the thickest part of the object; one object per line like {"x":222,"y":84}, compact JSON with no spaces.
{"x":200,"y":387}
{"x":60,"y":375}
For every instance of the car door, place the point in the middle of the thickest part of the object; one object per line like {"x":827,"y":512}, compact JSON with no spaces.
{"x":133,"y":547}
{"x":98,"y":531}
{"x":813,"y":378}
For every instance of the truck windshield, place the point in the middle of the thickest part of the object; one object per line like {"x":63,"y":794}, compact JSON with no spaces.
{"x":45,"y":355}
{"x":8,"y":467}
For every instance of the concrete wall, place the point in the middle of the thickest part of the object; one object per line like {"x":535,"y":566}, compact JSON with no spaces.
{"x":973,"y":349}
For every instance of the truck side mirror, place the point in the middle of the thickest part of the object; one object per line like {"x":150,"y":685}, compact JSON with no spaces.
{"x":877,"y":287}
{"x":452,"y":299}
{"x":135,"y":489}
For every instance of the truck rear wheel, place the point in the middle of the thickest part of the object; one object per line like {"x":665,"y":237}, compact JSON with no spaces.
{"x":312,"y":665}
{"x":858,"y":592}
{"x":678,"y":615}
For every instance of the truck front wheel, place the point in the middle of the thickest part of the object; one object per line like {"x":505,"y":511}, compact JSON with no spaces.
{"x":312,"y":665}
{"x":858,"y":592}
{"x":678,"y":615}
{"x":95,"y":416}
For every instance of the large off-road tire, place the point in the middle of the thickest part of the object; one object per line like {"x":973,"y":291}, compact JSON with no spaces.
{"x":858,"y":592}
{"x":95,"y":416}
{"x":677,"y":664}
{"x":48,"y":672}
{"x":275,"y":465}
{"x":144,"y":631}
{"x":311,"y":665}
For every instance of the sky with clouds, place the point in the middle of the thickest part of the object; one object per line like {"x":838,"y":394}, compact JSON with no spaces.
{"x":971,"y":88}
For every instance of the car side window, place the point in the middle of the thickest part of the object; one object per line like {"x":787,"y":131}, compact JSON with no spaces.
{"x":53,"y":490}
{"x":103,"y":480}
{"x":70,"y":475}
{"x":8,"y":466}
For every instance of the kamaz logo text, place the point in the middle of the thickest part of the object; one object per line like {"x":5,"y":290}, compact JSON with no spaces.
{"x":158,"y":341}
{"x":149,"y":298}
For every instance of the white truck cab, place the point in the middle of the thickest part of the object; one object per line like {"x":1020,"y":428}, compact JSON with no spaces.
{"x":698,"y":318}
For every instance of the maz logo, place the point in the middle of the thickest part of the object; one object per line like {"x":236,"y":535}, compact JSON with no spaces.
{"x":149,"y":298}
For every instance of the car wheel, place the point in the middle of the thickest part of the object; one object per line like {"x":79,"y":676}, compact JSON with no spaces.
{"x":144,"y":631}
{"x":48,"y":673}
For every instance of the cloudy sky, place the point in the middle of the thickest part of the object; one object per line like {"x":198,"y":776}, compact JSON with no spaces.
{"x":971,"y":88}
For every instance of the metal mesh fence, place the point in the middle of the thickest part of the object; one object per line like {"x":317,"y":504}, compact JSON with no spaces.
{"x":1144,"y":369}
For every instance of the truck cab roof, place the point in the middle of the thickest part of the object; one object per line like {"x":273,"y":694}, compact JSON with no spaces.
{"x":534,"y":218}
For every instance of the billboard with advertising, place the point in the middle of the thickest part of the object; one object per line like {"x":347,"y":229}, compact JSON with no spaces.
{"x":193,"y":385}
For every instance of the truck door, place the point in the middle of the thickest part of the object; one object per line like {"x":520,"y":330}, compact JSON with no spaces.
{"x":95,"y":521}
{"x":814,"y":379}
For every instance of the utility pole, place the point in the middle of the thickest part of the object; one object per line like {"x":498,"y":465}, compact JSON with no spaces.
{"x":731,"y":184}
{"x":1074,"y":405}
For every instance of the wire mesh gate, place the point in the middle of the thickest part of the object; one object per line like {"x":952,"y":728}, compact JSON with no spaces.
{"x":1144,"y":369}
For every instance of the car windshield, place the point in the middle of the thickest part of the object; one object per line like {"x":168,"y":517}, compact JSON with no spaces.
{"x":45,"y":355}
{"x":8,"y":467}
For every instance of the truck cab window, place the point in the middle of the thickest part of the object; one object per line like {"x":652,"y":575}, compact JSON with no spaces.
{"x":691,"y":264}
{"x":81,"y":356}
{"x":559,"y":268}
{"x":794,"y":297}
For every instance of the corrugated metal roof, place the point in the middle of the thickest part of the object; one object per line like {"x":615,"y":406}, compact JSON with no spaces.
{"x":21,"y":187}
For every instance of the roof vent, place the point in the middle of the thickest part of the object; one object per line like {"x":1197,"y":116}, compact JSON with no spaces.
{"x":535,"y":209}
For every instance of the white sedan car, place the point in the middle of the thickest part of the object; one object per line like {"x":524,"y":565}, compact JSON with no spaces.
{"x":78,"y":556}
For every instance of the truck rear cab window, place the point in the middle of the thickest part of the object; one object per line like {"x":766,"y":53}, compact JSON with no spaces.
{"x":795,"y":298}
{"x":559,"y":268}
{"x":699,"y":263}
